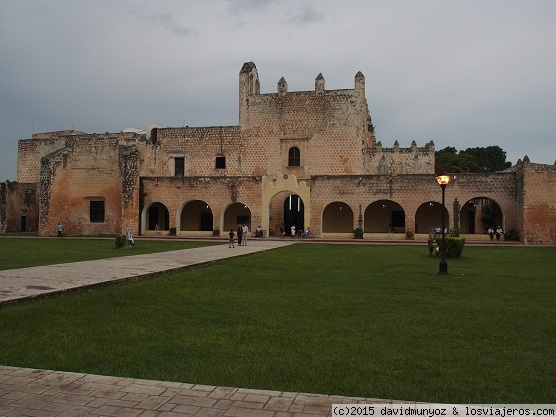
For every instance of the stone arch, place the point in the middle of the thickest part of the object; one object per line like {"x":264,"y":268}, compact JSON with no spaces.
{"x":384,"y":216}
{"x":477,"y":209}
{"x":429,"y":215}
{"x":274,"y":189}
{"x":155,"y":218}
{"x":235,"y":214}
{"x":195,"y":217}
{"x":337,"y":219}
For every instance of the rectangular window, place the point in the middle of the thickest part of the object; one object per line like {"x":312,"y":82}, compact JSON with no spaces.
{"x":179,"y":167}
{"x":220,"y":162}
{"x":96,"y":211}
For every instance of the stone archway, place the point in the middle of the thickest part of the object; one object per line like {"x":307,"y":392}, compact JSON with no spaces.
{"x":384,"y":216}
{"x":155,"y":219}
{"x":480,"y":213}
{"x":286,"y":183}
{"x":234,"y":215}
{"x":429,"y":215}
{"x":337,"y":220}
{"x":195,"y":218}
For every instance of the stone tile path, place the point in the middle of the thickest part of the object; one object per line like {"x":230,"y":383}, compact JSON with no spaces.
{"x":33,"y":392}
{"x":46,"y":393}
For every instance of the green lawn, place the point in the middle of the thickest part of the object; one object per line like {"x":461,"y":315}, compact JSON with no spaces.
{"x":29,"y":251}
{"x":355,"y":320}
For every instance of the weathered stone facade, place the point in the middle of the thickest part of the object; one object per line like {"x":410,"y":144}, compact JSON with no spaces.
{"x":304,"y":158}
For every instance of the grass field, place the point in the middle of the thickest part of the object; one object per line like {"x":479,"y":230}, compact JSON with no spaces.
{"x":25,"y":252}
{"x":355,"y":320}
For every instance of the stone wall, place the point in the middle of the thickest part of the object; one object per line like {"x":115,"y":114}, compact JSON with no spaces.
{"x":539,"y":198}
{"x":86,"y":170}
{"x":18,"y":207}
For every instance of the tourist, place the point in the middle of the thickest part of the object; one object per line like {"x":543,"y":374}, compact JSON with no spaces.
{"x":244,"y":230}
{"x":282,"y":230}
{"x":60,"y":229}
{"x":499,"y":232}
{"x":293,"y":230}
{"x":231,"y":241}
{"x":239,"y":235}
{"x":491,"y":232}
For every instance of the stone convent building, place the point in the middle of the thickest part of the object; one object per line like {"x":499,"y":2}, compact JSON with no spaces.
{"x":308,"y":159}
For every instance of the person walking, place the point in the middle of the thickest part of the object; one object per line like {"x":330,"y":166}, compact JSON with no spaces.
{"x":293,"y":230}
{"x":60,"y":230}
{"x":239,"y":235}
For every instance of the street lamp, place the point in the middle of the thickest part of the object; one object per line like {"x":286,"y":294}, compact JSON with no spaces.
{"x":443,"y":179}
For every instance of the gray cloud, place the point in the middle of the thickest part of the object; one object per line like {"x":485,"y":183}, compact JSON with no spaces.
{"x":166,"y":22}
{"x":463,"y":74}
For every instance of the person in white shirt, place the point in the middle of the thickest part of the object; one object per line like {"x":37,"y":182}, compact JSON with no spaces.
{"x":244,"y":237}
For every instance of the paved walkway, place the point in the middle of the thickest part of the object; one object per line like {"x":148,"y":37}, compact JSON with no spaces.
{"x":45,"y":393}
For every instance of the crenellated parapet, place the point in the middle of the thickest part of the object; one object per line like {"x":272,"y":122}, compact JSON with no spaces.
{"x":399,"y":161}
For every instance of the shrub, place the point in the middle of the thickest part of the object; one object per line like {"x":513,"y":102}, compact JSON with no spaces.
{"x":216,"y":232}
{"x":512,"y":234}
{"x":454,"y":246}
{"x":409,"y":234}
{"x":358,"y":233}
{"x":454,"y":232}
{"x":120,"y":240}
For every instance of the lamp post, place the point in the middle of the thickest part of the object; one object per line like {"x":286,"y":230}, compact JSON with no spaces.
{"x":443,"y":179}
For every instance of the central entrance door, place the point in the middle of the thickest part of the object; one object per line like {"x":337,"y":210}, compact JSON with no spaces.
{"x":294,"y":213}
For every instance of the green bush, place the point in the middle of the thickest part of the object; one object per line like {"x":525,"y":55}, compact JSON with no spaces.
{"x":512,"y":234}
{"x":454,"y":246}
{"x":409,"y":234}
{"x":216,"y":232}
{"x":358,"y":233}
{"x":454,"y":232}
{"x":120,"y":240}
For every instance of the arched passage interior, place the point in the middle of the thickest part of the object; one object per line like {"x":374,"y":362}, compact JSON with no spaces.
{"x":384,"y":216}
{"x":429,"y":215}
{"x":337,"y":217}
{"x":157,"y":217}
{"x":196,"y":215}
{"x":480,"y":213}
{"x":236,"y":214}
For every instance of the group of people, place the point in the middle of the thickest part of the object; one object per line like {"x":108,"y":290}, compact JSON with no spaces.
{"x":293,"y":231}
{"x":242,"y":231}
{"x":435,"y":231}
{"x":498,"y":232}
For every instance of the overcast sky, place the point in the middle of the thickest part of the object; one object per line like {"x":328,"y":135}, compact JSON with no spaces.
{"x":461,"y":73}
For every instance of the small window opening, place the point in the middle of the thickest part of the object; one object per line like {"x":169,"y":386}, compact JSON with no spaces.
{"x":179,"y":167}
{"x":96,"y":211}
{"x":294,"y":157}
{"x":220,"y":162}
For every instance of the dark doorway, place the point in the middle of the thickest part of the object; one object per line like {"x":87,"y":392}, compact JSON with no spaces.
{"x":206,"y":222}
{"x":23,"y":223}
{"x":153,"y":218}
{"x":294,"y":213}
{"x":471,"y":219}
